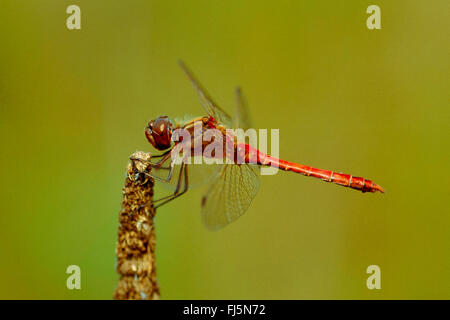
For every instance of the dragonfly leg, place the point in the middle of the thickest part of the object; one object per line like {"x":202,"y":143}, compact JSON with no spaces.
{"x":165,"y":180}
{"x":177,"y":188}
{"x":183,"y":177}
{"x":158,"y":165}
{"x":177,"y":192}
{"x":164,"y":157}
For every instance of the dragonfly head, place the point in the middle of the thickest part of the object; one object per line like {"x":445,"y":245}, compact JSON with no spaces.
{"x":159,"y":133}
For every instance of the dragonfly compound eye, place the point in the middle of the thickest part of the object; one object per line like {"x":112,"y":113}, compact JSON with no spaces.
{"x":159,"y":133}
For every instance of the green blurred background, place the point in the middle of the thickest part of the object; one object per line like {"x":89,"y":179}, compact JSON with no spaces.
{"x":373,"y":103}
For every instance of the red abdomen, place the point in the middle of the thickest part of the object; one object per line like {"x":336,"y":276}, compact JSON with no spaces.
{"x":343,"y":179}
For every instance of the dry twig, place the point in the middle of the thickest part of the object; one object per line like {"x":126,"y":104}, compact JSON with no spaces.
{"x":135,"y":249}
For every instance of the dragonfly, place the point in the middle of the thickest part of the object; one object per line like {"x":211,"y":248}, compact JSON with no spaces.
{"x":236,"y":184}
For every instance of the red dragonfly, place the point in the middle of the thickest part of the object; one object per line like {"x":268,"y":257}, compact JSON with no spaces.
{"x":236,"y":184}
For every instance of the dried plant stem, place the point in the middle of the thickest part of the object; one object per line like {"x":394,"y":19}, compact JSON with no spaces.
{"x":135,"y":249}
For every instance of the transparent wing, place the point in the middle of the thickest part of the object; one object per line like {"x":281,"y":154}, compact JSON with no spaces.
{"x":229,"y":195}
{"x":242,"y":117}
{"x":211,"y":108}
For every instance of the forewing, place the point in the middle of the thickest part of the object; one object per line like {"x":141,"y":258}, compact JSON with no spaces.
{"x":211,"y":108}
{"x":242,"y":117}
{"x":229,"y":195}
